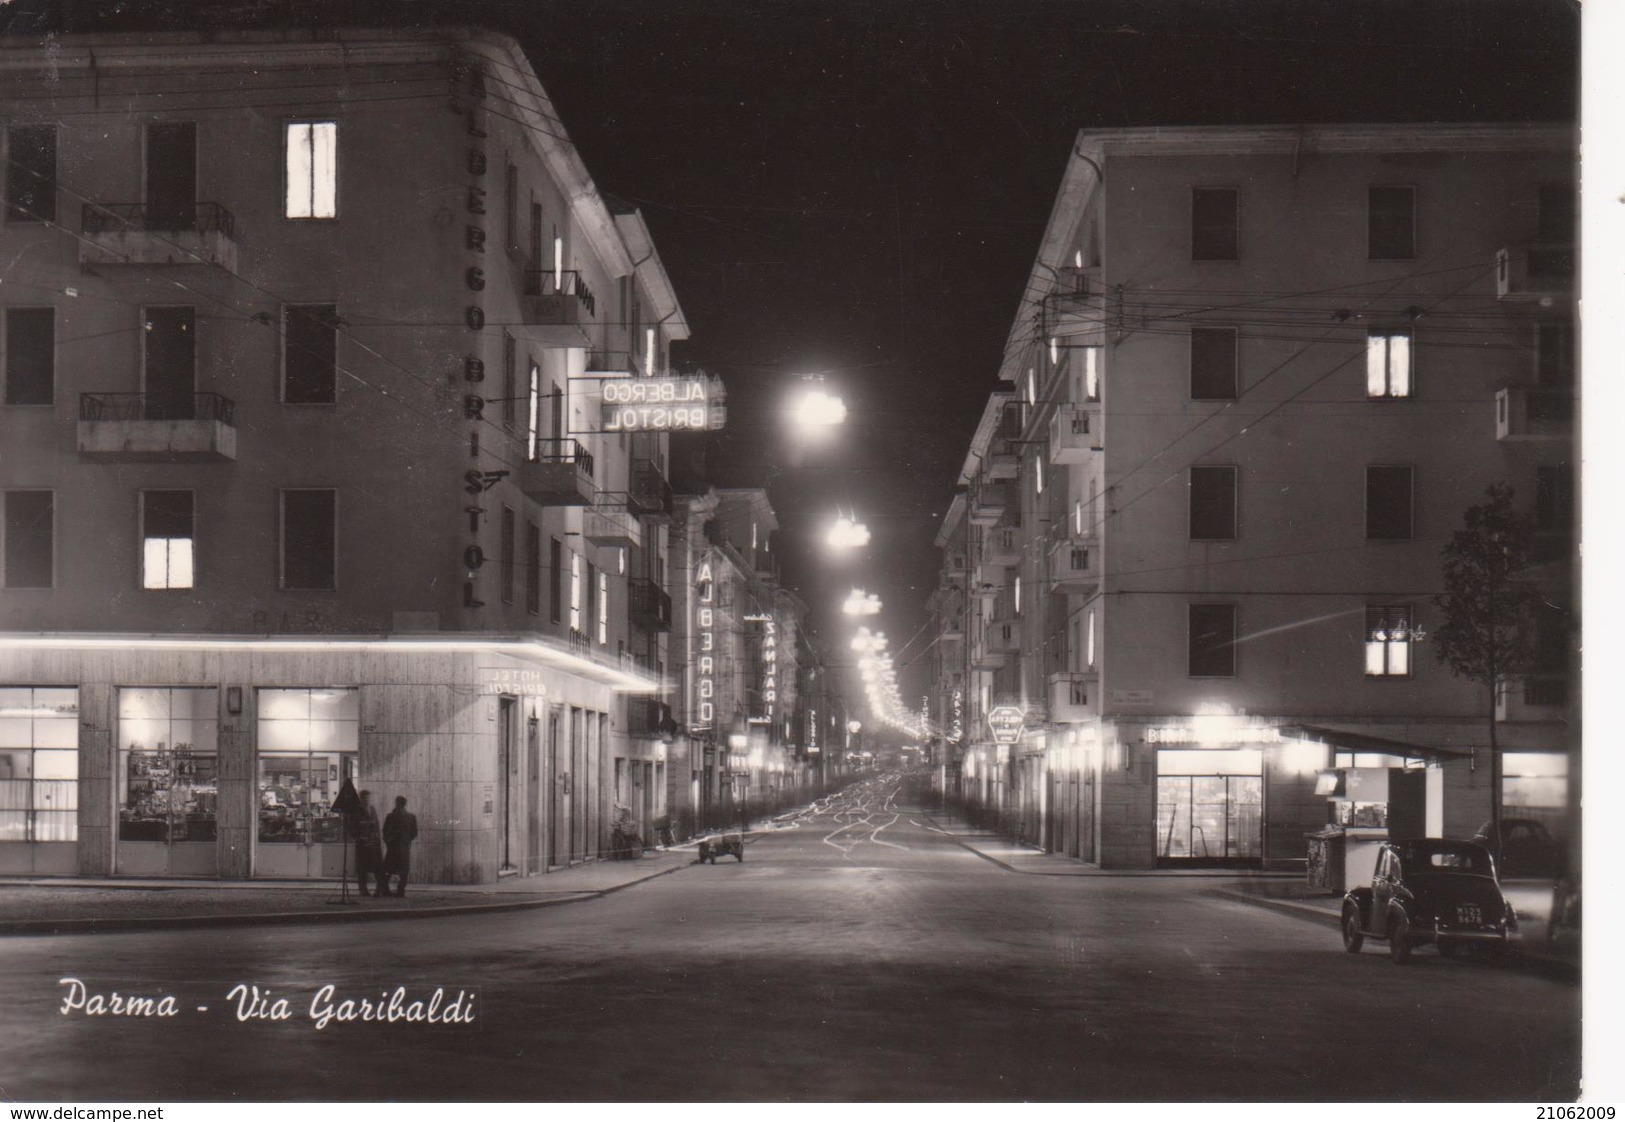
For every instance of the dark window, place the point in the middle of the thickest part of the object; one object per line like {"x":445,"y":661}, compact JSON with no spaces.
{"x":510,"y":379}
{"x":171,"y":175}
{"x":1213,"y":224}
{"x":1554,"y":498}
{"x":1213,"y":503}
{"x":555,"y":579}
{"x":1555,"y":223}
{"x":1213,"y":364}
{"x":167,"y":546}
{"x":510,"y":209}
{"x":30,"y":539}
{"x":30,"y":356}
{"x":533,"y":569}
{"x":1391,"y":223}
{"x":31,"y":173}
{"x":1212,"y":640}
{"x":169,"y":363}
{"x":1555,"y":355}
{"x":310,"y":354}
{"x":309,"y":539}
{"x":507,"y":555}
{"x":535,"y":234}
{"x":1388,"y":502}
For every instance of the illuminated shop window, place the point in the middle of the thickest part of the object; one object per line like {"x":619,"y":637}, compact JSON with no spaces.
{"x":603,"y":608}
{"x":39,"y":764}
{"x":308,"y":743}
{"x":1388,"y":364}
{"x":575,"y":592}
{"x":168,"y":749}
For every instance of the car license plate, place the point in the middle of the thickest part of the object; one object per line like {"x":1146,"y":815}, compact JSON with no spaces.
{"x":1469,"y":913}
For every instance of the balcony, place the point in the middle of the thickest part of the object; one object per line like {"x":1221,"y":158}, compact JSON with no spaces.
{"x":1003,"y":461}
{"x":988,"y":503}
{"x":987,"y":658}
{"x":559,"y":475}
{"x":1072,"y":695}
{"x":1003,"y":546}
{"x":649,"y":718}
{"x":1537,"y":274}
{"x":1074,"y":433}
{"x":648,"y":605}
{"x":157,"y":427}
{"x":136,"y":234}
{"x":650,"y":495}
{"x":986,"y":582}
{"x":608,"y":364}
{"x":1534,"y":414}
{"x":609,"y":522}
{"x":559,"y":309}
{"x":1078,"y":304}
{"x":1074,"y":565}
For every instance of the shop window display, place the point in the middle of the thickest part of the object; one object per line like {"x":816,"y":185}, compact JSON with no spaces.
{"x":39,"y":764}
{"x":308,"y":745}
{"x":168,"y":771}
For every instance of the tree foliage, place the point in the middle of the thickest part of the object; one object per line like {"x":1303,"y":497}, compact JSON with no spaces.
{"x":1487,"y":631}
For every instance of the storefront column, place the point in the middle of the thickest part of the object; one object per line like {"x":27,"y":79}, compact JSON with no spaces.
{"x":98,"y":753}
{"x":237,"y":810}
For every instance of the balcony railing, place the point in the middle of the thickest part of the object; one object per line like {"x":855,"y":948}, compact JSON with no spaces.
{"x":609,"y":521}
{"x":609,"y":364}
{"x":1071,"y":695}
{"x":1003,"y":546}
{"x":560,"y":474}
{"x":1074,"y":432}
{"x":649,"y":492}
{"x":1533,"y":414}
{"x":648,"y":604}
{"x":988,"y":503}
{"x":156,"y":407}
{"x":141,"y":234}
{"x":1074,"y":565}
{"x":158,"y":427}
{"x":559,"y":292}
{"x":1534,"y":272}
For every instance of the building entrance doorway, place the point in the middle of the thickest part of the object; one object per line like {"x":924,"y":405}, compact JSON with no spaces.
{"x":1210,"y":819}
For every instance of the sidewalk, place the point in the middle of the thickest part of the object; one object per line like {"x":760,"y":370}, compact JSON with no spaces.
{"x":63,"y":905}
{"x":1284,"y":892}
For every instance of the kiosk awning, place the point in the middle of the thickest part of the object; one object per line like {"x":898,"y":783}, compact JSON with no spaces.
{"x":1360,"y":742}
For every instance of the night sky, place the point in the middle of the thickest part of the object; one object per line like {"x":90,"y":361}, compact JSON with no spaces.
{"x":858,"y":188}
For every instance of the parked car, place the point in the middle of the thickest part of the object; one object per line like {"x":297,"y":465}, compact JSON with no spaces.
{"x":1432,"y":890}
{"x":1527,"y":848}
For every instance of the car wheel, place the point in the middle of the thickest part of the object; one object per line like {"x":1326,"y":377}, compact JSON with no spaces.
{"x":1399,"y":939}
{"x":1353,"y":937}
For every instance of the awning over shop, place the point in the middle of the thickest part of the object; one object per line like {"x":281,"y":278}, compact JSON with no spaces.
{"x":1360,"y":742}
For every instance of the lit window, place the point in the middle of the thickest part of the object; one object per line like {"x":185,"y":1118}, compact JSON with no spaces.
{"x":533,"y":428}
{"x":312,"y":169}
{"x":620,"y":562}
{"x":1032,"y":387}
{"x":575,"y":592}
{"x":1089,"y":642}
{"x":166,"y":539}
{"x":1388,"y":641}
{"x":603,"y":608}
{"x":1018,"y":595}
{"x":1077,"y":517}
{"x":1038,"y":475}
{"x":1388,"y":364}
{"x":1091,"y":374}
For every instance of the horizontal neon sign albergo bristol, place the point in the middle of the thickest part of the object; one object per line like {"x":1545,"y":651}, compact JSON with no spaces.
{"x":676,"y":402}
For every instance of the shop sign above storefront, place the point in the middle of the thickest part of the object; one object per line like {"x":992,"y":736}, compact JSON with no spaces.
{"x":1005,"y":722}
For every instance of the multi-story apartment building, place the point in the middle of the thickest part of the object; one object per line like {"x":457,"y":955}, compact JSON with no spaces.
{"x":740,"y":659}
{"x":307,"y":472}
{"x":1261,"y":376}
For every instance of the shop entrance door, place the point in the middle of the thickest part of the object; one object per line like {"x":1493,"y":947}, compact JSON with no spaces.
{"x":308,"y":745}
{"x":167,"y":781}
{"x":556,"y":782}
{"x":533,"y":795}
{"x":1210,"y":819}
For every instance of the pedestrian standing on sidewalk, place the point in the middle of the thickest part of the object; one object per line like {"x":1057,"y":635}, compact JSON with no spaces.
{"x":400,"y":830}
{"x":369,"y":854}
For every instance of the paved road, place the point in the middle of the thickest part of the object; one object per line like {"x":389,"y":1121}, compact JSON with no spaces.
{"x":860,"y":955}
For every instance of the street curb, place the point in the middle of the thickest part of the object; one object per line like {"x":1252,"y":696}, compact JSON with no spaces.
{"x":1553,"y":969}
{"x":98,"y":925}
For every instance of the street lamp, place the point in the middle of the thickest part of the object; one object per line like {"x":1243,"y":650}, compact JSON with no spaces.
{"x":817,"y":409}
{"x":861,"y":603}
{"x":847,"y":533}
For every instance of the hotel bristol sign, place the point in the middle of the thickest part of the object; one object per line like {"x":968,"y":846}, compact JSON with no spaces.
{"x":1005,"y":722}
{"x":666,"y":404}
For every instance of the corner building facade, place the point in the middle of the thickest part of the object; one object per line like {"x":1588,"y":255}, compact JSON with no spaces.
{"x":304,"y":477}
{"x":1263,"y":375}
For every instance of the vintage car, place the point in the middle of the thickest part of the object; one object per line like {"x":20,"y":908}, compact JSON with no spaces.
{"x":1431,"y":890}
{"x":1527,"y":849}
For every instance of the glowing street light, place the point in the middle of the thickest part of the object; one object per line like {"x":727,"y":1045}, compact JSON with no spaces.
{"x":848,"y":533}
{"x":818,"y":409}
{"x":861,"y":603}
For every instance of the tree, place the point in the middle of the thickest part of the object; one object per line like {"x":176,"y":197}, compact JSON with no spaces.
{"x":1487,"y":633}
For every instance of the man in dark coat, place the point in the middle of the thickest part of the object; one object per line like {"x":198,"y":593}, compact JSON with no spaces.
{"x":400,"y":830}
{"x":369,"y":856}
